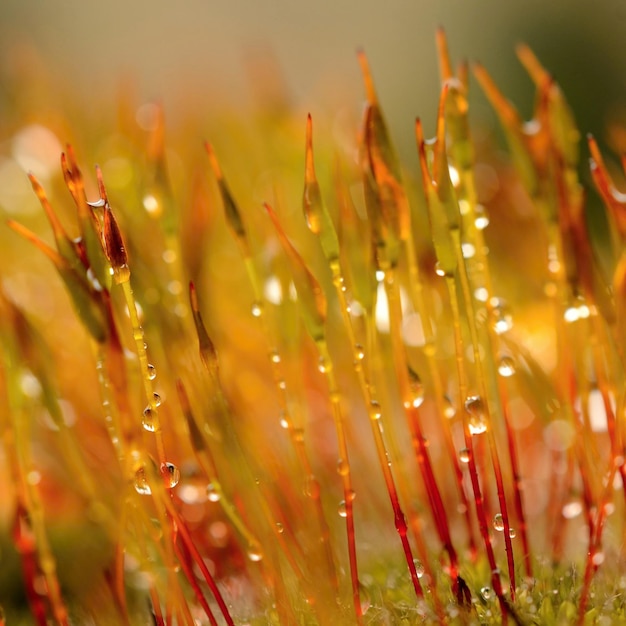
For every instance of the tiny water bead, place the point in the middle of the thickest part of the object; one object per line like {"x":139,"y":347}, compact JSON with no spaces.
{"x":141,"y":482}
{"x":512,"y":533}
{"x":419,"y":568}
{"x":151,"y":371}
{"x":475,"y":408}
{"x":311,"y":487}
{"x":343,"y":468}
{"x":256,"y":309}
{"x":342,"y":509}
{"x":150,"y":420}
{"x":498,"y":522}
{"x":375,"y":410}
{"x":506,"y":366}
{"x":280,"y":529}
{"x":449,"y":410}
{"x":464,"y":455}
{"x":501,"y":318}
{"x":416,"y":388}
{"x":254,"y":552}
{"x":274,"y":356}
{"x":322,"y":365}
{"x":212,"y":493}
{"x":359,"y":352}
{"x":171,"y":474}
{"x":156,"y":399}
{"x":486,"y":593}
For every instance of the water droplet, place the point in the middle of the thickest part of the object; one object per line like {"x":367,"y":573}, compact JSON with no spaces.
{"x":341,"y":509}
{"x":212,"y":493}
{"x":322,"y":365}
{"x":280,"y":529}
{"x":449,"y":409}
{"x":141,"y":483}
{"x":572,"y":509}
{"x":501,"y":319}
{"x":481,"y":221}
{"x":171,"y":475}
{"x":149,"y":420}
{"x":486,"y":593}
{"x":257,"y":309}
{"x":364,"y":598}
{"x":416,"y":388}
{"x":151,"y":371}
{"x":498,"y":522}
{"x":380,"y":275}
{"x":506,"y":367}
{"x":375,"y":411}
{"x":311,"y":487}
{"x":343,"y":468}
{"x":255,"y":554}
{"x":284,"y":422}
{"x":512,"y":533}
{"x":464,"y":455}
{"x":441,"y":272}
{"x":598,"y":558}
{"x":359,"y":351}
{"x":282,"y":384}
{"x":419,"y":567}
{"x":275,"y":356}
{"x":156,"y":398}
{"x":477,"y":420}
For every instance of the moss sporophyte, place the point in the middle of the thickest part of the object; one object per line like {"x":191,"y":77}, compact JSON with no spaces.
{"x":412,"y":411}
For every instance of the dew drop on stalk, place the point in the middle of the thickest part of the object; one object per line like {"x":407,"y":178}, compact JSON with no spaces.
{"x":501,"y":319}
{"x":156,"y":398}
{"x":464,"y":455}
{"x":359,"y":351}
{"x":341,"y":509}
{"x":364,"y":598}
{"x":343,"y":469}
{"x":212,"y":493}
{"x":311,"y":487}
{"x":280,"y":529}
{"x":476,"y":409}
{"x":506,"y":366}
{"x":171,"y":474}
{"x":284,"y":422}
{"x":256,"y":309}
{"x":486,"y":593}
{"x":274,"y":356}
{"x":375,"y":410}
{"x":419,"y":568}
{"x":498,"y":522}
{"x":141,"y":483}
{"x":151,"y":371}
{"x":449,"y":409}
{"x":512,"y":533}
{"x":149,"y":419}
{"x":572,"y":509}
{"x":255,"y":554}
{"x":416,"y":388}
{"x":322,"y":365}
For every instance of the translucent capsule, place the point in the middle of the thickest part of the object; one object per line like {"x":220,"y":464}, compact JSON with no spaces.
{"x":506,"y":366}
{"x":212,"y":493}
{"x":498,"y":522}
{"x":171,"y":474}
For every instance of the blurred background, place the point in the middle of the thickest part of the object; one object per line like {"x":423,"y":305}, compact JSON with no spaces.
{"x":206,"y":49}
